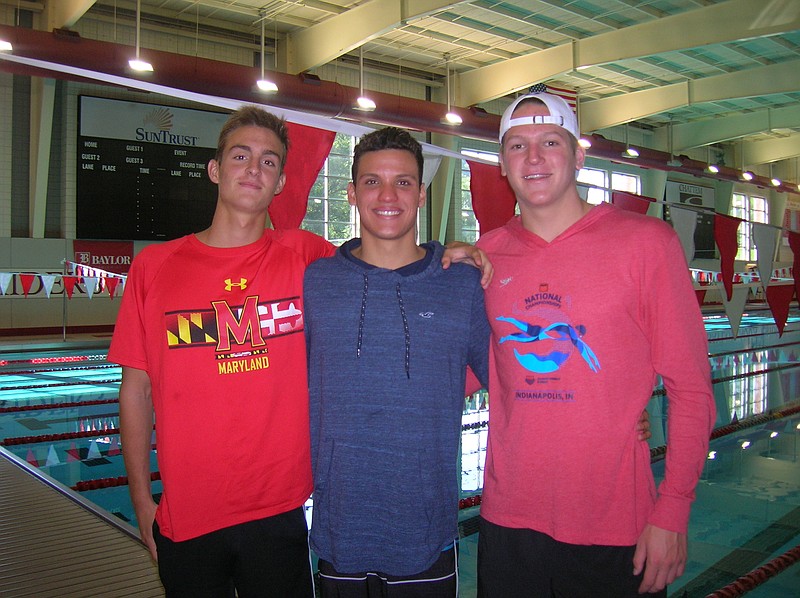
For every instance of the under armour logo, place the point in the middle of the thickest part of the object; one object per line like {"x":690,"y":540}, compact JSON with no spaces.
{"x":426,"y":314}
{"x":242,"y":284}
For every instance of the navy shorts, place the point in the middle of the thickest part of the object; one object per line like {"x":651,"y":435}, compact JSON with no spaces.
{"x":263,"y":558}
{"x":440,"y":581}
{"x":524,"y":562}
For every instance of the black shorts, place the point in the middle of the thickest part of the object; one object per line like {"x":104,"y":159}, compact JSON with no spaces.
{"x":524,"y":562}
{"x":263,"y":558}
{"x":440,"y":581}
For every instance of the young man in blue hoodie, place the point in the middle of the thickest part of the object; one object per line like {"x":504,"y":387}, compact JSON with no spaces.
{"x":389,"y":336}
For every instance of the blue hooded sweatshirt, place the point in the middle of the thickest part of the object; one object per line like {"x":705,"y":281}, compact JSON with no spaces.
{"x":388,"y":351}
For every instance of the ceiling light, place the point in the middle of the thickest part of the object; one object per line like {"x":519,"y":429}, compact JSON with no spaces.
{"x":362,"y":102}
{"x":137,"y":64}
{"x":266,"y":85}
{"x":263,"y":83}
{"x":713,"y":168}
{"x":775,"y":182}
{"x":5,"y":46}
{"x":630,"y":152}
{"x":585,"y":143}
{"x":140,"y":65}
{"x":747,"y":175}
{"x":450,"y":118}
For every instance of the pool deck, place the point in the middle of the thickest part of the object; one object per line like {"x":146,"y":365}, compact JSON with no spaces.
{"x":52,"y":546}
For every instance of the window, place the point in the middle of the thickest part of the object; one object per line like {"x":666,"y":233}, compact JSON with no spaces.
{"x":750,"y":208}
{"x":467,"y":225}
{"x":329,"y":214}
{"x":596,"y":179}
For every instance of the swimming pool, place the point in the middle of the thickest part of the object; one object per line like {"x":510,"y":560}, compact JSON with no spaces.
{"x":59,"y":412}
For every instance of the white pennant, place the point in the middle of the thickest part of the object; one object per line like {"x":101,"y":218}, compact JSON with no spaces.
{"x":47,"y":283}
{"x":91,"y":285}
{"x":684,"y":222}
{"x":5,"y":278}
{"x":766,"y":238}
{"x":735,"y":307}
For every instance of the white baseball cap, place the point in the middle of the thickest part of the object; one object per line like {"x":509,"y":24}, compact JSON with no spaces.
{"x":560,"y":114}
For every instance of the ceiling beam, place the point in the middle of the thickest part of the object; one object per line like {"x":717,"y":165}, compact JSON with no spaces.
{"x":64,"y":13}
{"x":342,"y":33}
{"x":728,"y":128}
{"x":719,"y":23}
{"x":502,"y":78}
{"x":759,"y":81}
{"x":716,"y":24}
{"x":771,"y":150}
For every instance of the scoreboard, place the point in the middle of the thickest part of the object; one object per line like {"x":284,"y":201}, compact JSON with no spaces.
{"x":141,"y":170}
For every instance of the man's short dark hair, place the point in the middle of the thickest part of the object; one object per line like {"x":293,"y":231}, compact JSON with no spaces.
{"x":388,"y":138}
{"x":253,"y":116}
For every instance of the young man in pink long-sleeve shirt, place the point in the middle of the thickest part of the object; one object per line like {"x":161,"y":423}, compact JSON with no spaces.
{"x":588,"y":305}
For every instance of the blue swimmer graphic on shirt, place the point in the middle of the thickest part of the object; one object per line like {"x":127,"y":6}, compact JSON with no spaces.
{"x":549,"y":362}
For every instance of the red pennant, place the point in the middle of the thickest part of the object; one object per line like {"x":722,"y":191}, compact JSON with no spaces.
{"x":111,"y":285}
{"x":69,"y":284}
{"x":631,"y":201}
{"x":27,"y":281}
{"x":725,"y":228}
{"x":701,"y":296}
{"x":492,"y":198}
{"x":779,"y":297}
{"x":308,"y":149}
{"x":31,"y":458}
{"x":72,"y":453}
{"x":114,"y":448}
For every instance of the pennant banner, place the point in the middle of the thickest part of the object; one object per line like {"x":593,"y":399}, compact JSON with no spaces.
{"x":309,"y":149}
{"x":631,"y":202}
{"x":492,"y":197}
{"x":778,"y":298}
{"x":47,"y":282}
{"x":766,"y":239}
{"x":27,"y":281}
{"x":5,"y":278}
{"x":685,"y":223}
{"x":725,"y":228}
{"x":734,"y":307}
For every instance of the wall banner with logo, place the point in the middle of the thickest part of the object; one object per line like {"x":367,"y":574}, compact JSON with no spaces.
{"x":110,"y":256}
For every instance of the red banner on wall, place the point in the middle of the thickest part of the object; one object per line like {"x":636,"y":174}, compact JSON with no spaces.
{"x":112,"y":256}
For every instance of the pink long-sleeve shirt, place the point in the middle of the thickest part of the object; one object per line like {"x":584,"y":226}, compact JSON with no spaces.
{"x":581,"y":328}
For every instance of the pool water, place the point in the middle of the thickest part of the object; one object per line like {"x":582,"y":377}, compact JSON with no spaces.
{"x":59,"y":412}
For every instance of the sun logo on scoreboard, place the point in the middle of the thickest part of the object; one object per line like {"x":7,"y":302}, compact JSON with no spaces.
{"x":159,"y":118}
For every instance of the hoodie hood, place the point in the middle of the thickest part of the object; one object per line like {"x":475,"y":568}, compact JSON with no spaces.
{"x":424,"y":267}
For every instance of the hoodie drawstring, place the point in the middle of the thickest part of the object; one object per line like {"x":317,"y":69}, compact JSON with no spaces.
{"x":406,"y":332}
{"x":361,"y":316}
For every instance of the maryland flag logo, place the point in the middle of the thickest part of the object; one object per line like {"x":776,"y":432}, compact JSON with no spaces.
{"x":229,"y":327}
